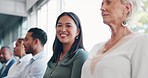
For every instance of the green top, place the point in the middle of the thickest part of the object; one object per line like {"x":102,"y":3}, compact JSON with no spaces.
{"x":67,"y":68}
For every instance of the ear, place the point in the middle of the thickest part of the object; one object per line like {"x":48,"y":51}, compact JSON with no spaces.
{"x":78,"y":31}
{"x":128,"y":7}
{"x":36,"y":41}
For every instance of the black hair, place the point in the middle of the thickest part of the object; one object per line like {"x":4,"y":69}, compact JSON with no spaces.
{"x":78,"y":43}
{"x":39,"y":34}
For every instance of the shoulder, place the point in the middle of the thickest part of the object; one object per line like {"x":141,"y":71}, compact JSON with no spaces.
{"x":96,"y":47}
{"x":26,"y":58}
{"x":81,"y":54}
{"x":140,"y":37}
{"x":12,"y":61}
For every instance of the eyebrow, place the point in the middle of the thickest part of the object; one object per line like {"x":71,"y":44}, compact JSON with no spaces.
{"x":61,"y":23}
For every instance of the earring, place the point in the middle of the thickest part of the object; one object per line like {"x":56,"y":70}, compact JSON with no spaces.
{"x":124,"y":23}
{"x":77,"y":37}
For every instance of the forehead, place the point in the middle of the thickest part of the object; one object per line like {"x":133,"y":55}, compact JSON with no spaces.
{"x":66,"y":19}
{"x":28,"y":35}
{"x":17,"y":43}
{"x":112,"y":1}
{"x":4,"y":50}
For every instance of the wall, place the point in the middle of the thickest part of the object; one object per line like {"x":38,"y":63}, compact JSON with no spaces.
{"x":13,"y":7}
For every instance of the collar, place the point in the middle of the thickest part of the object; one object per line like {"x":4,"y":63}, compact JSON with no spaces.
{"x":38,"y":55}
{"x":8,"y":61}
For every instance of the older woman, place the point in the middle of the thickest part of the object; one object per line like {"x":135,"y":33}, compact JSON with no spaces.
{"x":69,"y":53}
{"x":125,"y":54}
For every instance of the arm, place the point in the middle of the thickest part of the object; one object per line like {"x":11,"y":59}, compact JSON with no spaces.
{"x":37,"y":70}
{"x":78,"y":63}
{"x":139,"y":60}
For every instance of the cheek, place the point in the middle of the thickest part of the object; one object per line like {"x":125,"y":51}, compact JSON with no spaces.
{"x":118,"y":11}
{"x":57,"y":30}
{"x":74,"y":32}
{"x":16,"y":51}
{"x":27,"y":43}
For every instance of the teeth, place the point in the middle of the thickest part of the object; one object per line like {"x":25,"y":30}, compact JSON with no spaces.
{"x":63,"y":34}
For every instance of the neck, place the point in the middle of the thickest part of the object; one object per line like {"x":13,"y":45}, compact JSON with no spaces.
{"x":66,"y":48}
{"x":116,"y":36}
{"x":22,"y":55}
{"x":119,"y":32}
{"x":36,"y":51}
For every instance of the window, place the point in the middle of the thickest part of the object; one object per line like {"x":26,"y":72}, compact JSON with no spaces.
{"x":94,"y":31}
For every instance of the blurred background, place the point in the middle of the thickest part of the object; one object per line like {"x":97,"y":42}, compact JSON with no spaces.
{"x":17,"y":16}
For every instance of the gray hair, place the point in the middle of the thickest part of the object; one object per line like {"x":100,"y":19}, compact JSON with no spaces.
{"x":135,"y":7}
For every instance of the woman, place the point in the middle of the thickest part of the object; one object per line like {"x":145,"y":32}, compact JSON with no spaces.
{"x":125,"y":54}
{"x":16,"y":70}
{"x":69,"y":54}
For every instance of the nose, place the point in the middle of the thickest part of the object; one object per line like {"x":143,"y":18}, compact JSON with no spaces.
{"x":102,"y":7}
{"x":24,"y":43}
{"x":63,"y":28}
{"x":1,"y":55}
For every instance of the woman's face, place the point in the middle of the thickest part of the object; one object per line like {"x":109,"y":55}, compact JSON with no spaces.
{"x":19,"y":49}
{"x":113,"y":11}
{"x":66,"y":30}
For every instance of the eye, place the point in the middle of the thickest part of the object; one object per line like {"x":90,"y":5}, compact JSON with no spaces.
{"x":59,"y":25}
{"x":69,"y":25}
{"x":25,"y":39}
{"x":108,"y":2}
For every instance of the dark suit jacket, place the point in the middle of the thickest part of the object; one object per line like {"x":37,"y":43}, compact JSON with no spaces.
{"x":7,"y":68}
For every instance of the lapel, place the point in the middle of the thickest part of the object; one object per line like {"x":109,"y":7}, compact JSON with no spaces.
{"x":7,"y":68}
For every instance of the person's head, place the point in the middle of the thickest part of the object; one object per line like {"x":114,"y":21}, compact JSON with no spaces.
{"x":19,"y":49}
{"x":5,"y":54}
{"x":68,"y":31}
{"x":35,"y":39}
{"x":117,"y":11}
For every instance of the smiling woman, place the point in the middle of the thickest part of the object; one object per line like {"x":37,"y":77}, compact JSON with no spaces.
{"x":91,"y":20}
{"x":68,"y":51}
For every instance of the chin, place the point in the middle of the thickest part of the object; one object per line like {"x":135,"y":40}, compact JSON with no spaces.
{"x":63,"y":41}
{"x":105,"y":22}
{"x":28,"y":52}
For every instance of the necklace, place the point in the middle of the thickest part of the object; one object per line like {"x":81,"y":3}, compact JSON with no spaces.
{"x":61,"y":57}
{"x":110,"y":44}
{"x":102,"y":52}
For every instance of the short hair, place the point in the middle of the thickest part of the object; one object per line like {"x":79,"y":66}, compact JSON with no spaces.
{"x":9,"y":48}
{"x":39,"y":34}
{"x":135,"y":5}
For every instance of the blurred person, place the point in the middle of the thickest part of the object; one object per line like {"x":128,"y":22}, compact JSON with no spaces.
{"x":6,"y":58}
{"x":34,"y":43}
{"x":68,"y":50}
{"x":125,"y":54}
{"x":16,"y":69}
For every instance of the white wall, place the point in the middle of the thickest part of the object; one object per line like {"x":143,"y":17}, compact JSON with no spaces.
{"x":30,"y":3}
{"x":13,"y":7}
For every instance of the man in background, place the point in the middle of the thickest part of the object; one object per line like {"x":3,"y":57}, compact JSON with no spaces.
{"x":34,"y":43}
{"x":6,"y":58}
{"x":17,"y":68}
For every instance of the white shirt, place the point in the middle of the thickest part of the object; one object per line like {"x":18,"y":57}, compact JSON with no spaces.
{"x":16,"y":69}
{"x":127,"y":59}
{"x":36,"y":69}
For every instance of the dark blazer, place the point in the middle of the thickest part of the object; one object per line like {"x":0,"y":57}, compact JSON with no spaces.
{"x":7,"y":68}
